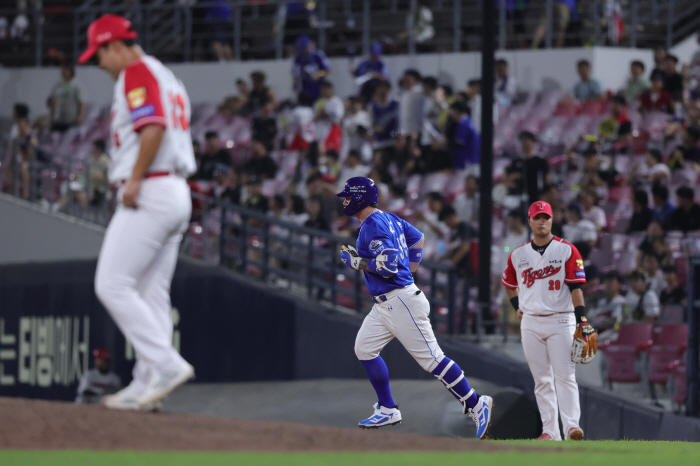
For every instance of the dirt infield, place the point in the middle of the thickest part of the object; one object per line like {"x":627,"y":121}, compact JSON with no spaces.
{"x":30,"y":424}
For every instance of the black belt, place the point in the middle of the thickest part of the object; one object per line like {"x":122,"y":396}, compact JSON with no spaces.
{"x":382,"y":297}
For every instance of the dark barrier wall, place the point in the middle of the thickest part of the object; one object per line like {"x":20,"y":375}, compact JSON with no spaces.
{"x":233,"y":330}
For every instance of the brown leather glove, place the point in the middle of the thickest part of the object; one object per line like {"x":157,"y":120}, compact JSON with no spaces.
{"x":585,"y":343}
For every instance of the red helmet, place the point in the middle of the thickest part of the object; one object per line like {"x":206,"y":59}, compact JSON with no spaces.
{"x":102,"y":353}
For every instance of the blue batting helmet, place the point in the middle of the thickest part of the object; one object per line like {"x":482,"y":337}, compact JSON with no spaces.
{"x":362,"y":191}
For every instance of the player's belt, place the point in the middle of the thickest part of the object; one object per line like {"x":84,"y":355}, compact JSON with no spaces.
{"x":384,"y":297}
{"x":122,"y":182}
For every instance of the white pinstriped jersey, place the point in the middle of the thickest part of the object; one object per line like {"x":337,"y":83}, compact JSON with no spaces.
{"x":542,"y":280}
{"x":148,"y":93}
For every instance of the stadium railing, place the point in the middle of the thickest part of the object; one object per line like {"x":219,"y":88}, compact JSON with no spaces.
{"x":182,"y":31}
{"x":302,"y":260}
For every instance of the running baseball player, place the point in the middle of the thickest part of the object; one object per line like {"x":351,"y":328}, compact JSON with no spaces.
{"x":389,"y":250}
{"x":543,"y":279}
{"x":152,"y":155}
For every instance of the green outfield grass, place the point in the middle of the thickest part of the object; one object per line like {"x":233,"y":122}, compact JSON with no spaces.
{"x":624,"y":453}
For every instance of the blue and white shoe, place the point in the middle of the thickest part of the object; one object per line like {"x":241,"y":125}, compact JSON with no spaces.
{"x":481,"y":414}
{"x":382,"y":416}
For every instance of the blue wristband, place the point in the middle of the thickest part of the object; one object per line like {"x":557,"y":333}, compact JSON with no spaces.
{"x":415,"y":255}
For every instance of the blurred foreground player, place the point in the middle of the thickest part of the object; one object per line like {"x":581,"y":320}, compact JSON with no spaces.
{"x":151,"y":158}
{"x":389,"y":250}
{"x":543,"y":279}
{"x":100,"y":381}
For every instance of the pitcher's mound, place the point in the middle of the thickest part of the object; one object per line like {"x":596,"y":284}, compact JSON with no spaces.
{"x":49,"y":424}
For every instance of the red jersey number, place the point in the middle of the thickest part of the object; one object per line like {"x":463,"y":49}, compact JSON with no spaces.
{"x":178,"y":104}
{"x":554,"y":285}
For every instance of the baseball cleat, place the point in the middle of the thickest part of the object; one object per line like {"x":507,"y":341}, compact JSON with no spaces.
{"x":575,"y":433}
{"x":382,"y":416}
{"x":120,"y":402}
{"x":162,"y":383}
{"x":481,"y":414}
{"x":545,"y":436}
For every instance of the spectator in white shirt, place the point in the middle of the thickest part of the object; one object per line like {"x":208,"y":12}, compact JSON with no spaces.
{"x":505,"y":86}
{"x":474,"y":93}
{"x":653,"y":273}
{"x":577,"y":228}
{"x":351,"y":169}
{"x":328,"y":113}
{"x":467,"y":203}
{"x":642,"y":302}
{"x":658,"y":170}
{"x":605,"y":313}
{"x":518,"y":235}
{"x":411,"y":103}
{"x":356,"y":129}
{"x":591,"y":211}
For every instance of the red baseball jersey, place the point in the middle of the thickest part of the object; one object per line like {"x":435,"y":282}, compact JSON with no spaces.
{"x":542,"y":279}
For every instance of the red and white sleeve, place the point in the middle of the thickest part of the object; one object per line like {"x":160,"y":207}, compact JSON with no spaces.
{"x":510,"y":279}
{"x":574,"y":267}
{"x":143,"y":97}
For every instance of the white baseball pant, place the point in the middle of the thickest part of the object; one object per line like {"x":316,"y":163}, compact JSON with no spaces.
{"x":136,"y":266}
{"x":547,"y":344}
{"x":404,"y":316}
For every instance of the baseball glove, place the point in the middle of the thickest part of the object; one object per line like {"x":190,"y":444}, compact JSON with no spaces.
{"x":585,"y":343}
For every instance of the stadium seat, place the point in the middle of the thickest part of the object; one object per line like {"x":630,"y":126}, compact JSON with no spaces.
{"x":677,"y":371}
{"x":669,"y":346}
{"x":671,"y":314}
{"x":622,"y":354}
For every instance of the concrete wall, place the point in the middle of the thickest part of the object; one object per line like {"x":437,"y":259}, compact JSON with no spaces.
{"x":209,"y":82}
{"x":28,"y":234}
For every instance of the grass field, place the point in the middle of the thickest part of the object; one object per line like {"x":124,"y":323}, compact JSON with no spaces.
{"x":623,"y":453}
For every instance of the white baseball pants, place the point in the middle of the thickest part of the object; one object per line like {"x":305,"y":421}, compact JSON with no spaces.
{"x":547,"y":344}
{"x":136,"y":266}
{"x":404,"y":316}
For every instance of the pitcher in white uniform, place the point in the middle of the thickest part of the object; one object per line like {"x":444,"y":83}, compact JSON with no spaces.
{"x":152,"y":156}
{"x":543,"y":280}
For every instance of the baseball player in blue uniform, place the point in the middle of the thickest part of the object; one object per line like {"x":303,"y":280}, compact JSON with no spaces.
{"x":389,"y":250}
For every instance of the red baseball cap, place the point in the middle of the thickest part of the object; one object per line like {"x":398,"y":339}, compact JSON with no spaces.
{"x":104,"y":30}
{"x":539,"y":207}
{"x":102,"y":353}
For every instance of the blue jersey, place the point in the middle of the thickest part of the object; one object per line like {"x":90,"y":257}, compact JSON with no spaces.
{"x":381,"y":231}
{"x":305,"y":67}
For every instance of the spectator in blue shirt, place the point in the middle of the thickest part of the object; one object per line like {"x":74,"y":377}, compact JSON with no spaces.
{"x":662,"y":206}
{"x":588,"y":88}
{"x":466,"y":142}
{"x":218,"y":17}
{"x":310,"y":68}
{"x":371,"y":71}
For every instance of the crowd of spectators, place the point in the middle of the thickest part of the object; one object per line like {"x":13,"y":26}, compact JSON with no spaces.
{"x":288,"y":158}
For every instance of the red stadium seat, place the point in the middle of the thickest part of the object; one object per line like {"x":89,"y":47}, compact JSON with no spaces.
{"x":677,"y":370}
{"x":622,"y":354}
{"x":620,"y":194}
{"x":567,"y":109}
{"x":668,"y":347}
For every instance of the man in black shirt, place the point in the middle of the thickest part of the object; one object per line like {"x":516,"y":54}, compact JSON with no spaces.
{"x":687,"y":216}
{"x":256,"y":200}
{"x":534,"y":169}
{"x":673,"y":82}
{"x":672,"y":293}
{"x":462,"y":235}
{"x":641,"y":218}
{"x":264,"y":127}
{"x":260,"y":164}
{"x":213,"y":156}
{"x":688,"y":154}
